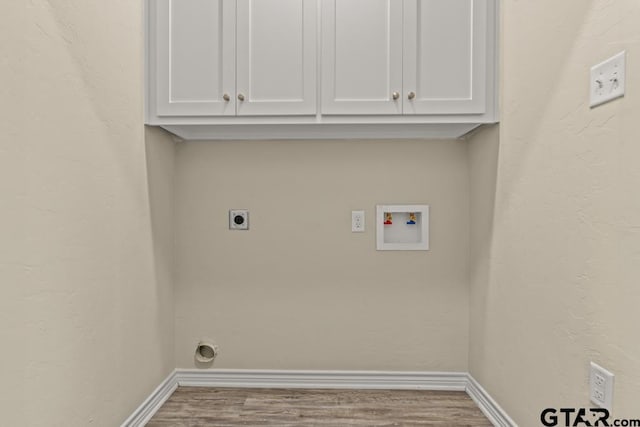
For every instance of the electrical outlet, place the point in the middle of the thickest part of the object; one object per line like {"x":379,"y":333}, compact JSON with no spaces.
{"x":601,"y":386}
{"x":598,"y":395}
{"x":599,"y":380}
{"x":357,"y":221}
{"x":238,"y":219}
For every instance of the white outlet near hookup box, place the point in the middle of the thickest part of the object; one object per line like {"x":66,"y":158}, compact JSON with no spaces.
{"x":601,"y":386}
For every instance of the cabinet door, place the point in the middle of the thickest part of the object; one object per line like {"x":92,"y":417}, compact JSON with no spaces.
{"x":276,"y":70}
{"x":445,"y":48}
{"x":361,"y":56}
{"x":195,"y":57}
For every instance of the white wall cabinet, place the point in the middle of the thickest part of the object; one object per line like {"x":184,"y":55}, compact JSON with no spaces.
{"x":276,"y":57}
{"x":404,"y":56}
{"x":445,"y":54}
{"x":361,"y":56}
{"x":235,"y":57}
{"x":196,"y":61}
{"x":258,"y":69}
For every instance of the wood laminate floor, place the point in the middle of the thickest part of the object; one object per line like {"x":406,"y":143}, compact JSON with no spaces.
{"x":196,"y":406}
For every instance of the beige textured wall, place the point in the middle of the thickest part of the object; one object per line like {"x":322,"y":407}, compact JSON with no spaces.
{"x":299,"y":290}
{"x":557,"y":275}
{"x":483,"y":169}
{"x":85,"y":232}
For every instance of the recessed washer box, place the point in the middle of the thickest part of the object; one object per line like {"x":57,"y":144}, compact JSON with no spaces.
{"x":402,"y":227}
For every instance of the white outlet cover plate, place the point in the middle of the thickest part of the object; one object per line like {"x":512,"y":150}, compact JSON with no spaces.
{"x":357,"y":221}
{"x":608,"y":80}
{"x":601,"y":385}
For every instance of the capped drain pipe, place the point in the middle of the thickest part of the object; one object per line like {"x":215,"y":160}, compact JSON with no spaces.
{"x":206,"y":352}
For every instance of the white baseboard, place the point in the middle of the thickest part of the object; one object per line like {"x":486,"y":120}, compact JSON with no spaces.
{"x":487,"y":405}
{"x":383,"y":380}
{"x":150,"y":406}
{"x":323,"y":379}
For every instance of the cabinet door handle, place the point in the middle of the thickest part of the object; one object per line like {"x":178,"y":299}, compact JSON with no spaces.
{"x":411,"y":95}
{"x":226,"y":97}
{"x":241,"y":97}
{"x":395,"y":95}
